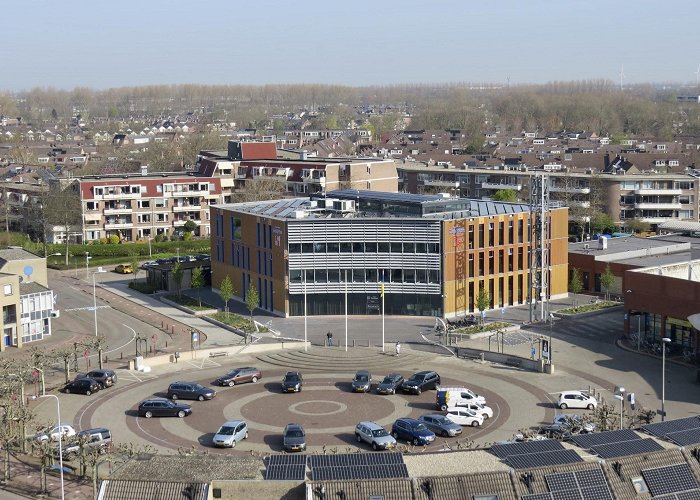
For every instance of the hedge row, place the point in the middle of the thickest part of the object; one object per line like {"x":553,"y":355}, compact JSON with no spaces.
{"x":127,"y":249}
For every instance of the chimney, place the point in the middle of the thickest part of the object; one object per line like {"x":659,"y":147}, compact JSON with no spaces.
{"x":144,"y":169}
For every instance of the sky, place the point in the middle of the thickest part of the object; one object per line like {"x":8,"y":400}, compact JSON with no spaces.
{"x":101,"y":44}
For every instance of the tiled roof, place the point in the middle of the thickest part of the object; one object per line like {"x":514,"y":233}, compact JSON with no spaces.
{"x":191,"y":468}
{"x":131,"y":490}
{"x":452,"y":487}
{"x":31,"y":287}
{"x":9,"y":254}
{"x":388,"y":489}
{"x":538,"y":483}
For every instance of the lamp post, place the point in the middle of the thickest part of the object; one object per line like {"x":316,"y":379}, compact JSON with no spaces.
{"x":665,"y":341}
{"x":60,"y":438}
{"x":87,"y":264}
{"x":551,"y":326}
{"x":94,"y":295}
{"x":620,"y":395}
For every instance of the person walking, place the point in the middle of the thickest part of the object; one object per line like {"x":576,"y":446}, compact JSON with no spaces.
{"x":398,"y":348}
{"x":329,"y":339}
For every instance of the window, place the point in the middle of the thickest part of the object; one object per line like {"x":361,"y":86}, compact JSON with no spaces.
{"x":358,"y":247}
{"x":236,"y":230}
{"x":8,"y":289}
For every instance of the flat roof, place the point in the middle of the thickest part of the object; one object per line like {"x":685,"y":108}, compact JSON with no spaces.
{"x":623,"y":244}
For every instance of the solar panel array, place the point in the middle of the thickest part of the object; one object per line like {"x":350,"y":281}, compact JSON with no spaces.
{"x":273,"y":460}
{"x":669,"y":479}
{"x":345,"y":473}
{"x":355,"y":459}
{"x":290,"y":472}
{"x":681,"y":495}
{"x":581,"y":485}
{"x":504,"y":450}
{"x":627,"y":448}
{"x":336,"y":467}
{"x":531,"y":460}
{"x":682,"y":431}
{"x":607,"y":437}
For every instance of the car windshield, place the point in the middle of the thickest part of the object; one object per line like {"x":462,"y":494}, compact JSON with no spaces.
{"x":361,"y":378}
{"x":197,"y":387}
{"x":232,"y":374}
{"x":171,"y":404}
{"x":291,"y":378}
{"x":442,"y":420}
{"x":388,"y":380}
{"x":295,"y":434}
{"x":226,"y":431}
{"x":379,"y":433}
{"x":419,"y":427}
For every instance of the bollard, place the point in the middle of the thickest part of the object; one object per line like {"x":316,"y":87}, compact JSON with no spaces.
{"x":353,"y":342}
{"x":482,"y":357}
{"x":173,"y":329}
{"x":166,"y":344}
{"x":121,"y":355}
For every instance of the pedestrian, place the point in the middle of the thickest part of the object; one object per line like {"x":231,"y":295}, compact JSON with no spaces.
{"x":398,"y":348}
{"x":532,"y":351}
{"x":329,"y":339}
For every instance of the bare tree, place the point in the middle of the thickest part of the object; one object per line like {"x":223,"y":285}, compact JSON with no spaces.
{"x":61,"y":207}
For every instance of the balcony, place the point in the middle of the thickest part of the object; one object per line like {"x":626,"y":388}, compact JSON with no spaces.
{"x":658,"y":206}
{"x":120,"y":195}
{"x":180,"y":223}
{"x":664,"y":192}
{"x":240,"y":176}
{"x":119,"y":225}
{"x":498,"y":185}
{"x":573,"y":190}
{"x":658,"y":220}
{"x":441,"y":183}
{"x":117,"y":211}
{"x":92,"y":216}
{"x":186,"y":208}
{"x":318,"y":180}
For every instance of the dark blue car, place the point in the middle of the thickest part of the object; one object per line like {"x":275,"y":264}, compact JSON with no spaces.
{"x":412,"y":431}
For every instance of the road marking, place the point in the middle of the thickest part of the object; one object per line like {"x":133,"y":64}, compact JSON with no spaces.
{"x":208,"y":362}
{"x":86,"y":308}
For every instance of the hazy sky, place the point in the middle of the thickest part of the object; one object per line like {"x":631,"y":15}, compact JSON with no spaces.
{"x":104,"y":44}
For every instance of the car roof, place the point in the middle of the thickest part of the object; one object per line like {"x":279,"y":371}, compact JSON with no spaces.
{"x":232,"y":423}
{"x":290,"y":427}
{"x":574,"y":392}
{"x":362,"y":372}
{"x":292,"y":373}
{"x":407,"y":420}
{"x":370,"y":424}
{"x":154,"y":399}
{"x":426,"y":372}
{"x":434,"y":415}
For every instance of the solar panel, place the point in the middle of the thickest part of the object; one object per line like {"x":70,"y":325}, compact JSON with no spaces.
{"x":684,"y":438}
{"x":574,"y":494}
{"x":669,"y":479}
{"x":599,"y":492}
{"x":607,"y":437}
{"x":294,"y":472}
{"x":359,"y":472}
{"x":660,"y":429}
{"x":273,"y":460}
{"x":355,"y":459}
{"x":627,"y":448}
{"x":688,"y":495}
{"x":563,"y":481}
{"x":504,"y":450}
{"x":531,"y":460}
{"x":590,"y":477}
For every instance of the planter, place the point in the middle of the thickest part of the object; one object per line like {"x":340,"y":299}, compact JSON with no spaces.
{"x":202,"y":312}
{"x":586,"y":313}
{"x":481,"y":335}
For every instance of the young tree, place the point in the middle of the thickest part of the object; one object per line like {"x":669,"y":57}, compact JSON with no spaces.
{"x":65,"y":354}
{"x":197,"y":281}
{"x":576,"y":283}
{"x":61,"y":207}
{"x":505,"y":195}
{"x":607,"y":280}
{"x":226,"y":292}
{"x":483,"y":301}
{"x":252,"y":299}
{"x":135,"y":265}
{"x":177,"y":274}
{"x":602,"y":223}
{"x":637,"y":226}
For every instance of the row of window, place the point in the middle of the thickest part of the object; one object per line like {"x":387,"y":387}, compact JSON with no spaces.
{"x":364,"y":247}
{"x":364,"y":276}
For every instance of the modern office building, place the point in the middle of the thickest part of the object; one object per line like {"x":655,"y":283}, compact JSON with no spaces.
{"x":430,"y":255}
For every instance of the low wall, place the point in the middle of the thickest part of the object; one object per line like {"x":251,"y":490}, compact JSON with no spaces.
{"x":534,"y":365}
{"x":165,"y":359}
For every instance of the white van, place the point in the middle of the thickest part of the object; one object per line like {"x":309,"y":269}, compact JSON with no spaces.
{"x":449,"y":397}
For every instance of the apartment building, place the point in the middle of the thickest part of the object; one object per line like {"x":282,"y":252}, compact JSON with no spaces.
{"x":427,"y":255}
{"x":141,"y":206}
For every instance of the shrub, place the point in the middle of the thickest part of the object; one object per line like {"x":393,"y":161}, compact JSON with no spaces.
{"x":187,"y":236}
{"x":114,"y":239}
{"x":103,"y":241}
{"x":142,"y":287}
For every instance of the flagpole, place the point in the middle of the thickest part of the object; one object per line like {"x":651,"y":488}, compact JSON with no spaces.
{"x":346,"y":310}
{"x":382,"y":294}
{"x":306,"y":344}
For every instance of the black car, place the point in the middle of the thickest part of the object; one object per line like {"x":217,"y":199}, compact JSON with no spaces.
{"x":292,"y":382}
{"x":82,"y":386}
{"x":362,"y":381}
{"x":106,"y":378}
{"x":190,"y":390}
{"x":421,"y":381}
{"x":163,"y":408}
{"x":294,"y":438}
{"x":390,"y":383}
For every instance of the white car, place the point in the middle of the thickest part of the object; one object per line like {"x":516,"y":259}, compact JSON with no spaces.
{"x":61,"y":430}
{"x":462,"y":416}
{"x":230,"y":433}
{"x":577,"y":399}
{"x":480,"y":409}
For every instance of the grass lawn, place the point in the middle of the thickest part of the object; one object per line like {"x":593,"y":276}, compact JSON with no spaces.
{"x":596,"y":306}
{"x":189,"y":302}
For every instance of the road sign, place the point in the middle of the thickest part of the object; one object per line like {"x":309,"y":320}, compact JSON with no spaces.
{"x":195,"y":336}
{"x":86,"y":354}
{"x":661,"y":412}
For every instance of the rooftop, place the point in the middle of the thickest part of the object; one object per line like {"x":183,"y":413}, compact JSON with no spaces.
{"x":16,"y":253}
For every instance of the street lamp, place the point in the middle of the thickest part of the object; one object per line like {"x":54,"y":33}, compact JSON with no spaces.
{"x":94,"y":296}
{"x":551,"y":325}
{"x":621,"y":396}
{"x":664,"y":341}
{"x":60,"y":438}
{"x":87,"y":264}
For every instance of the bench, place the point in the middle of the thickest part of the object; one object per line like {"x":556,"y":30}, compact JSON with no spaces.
{"x":515,"y":362}
{"x":218,"y":354}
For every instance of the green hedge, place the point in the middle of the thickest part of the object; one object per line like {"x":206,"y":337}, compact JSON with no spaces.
{"x":125,"y":249}
{"x":142,"y":287}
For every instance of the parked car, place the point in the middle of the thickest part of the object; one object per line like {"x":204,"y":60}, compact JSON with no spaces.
{"x":230,"y":433}
{"x":448,"y":397}
{"x":577,"y":399}
{"x":149,"y":263}
{"x":99,"y":439}
{"x":574,"y":421}
{"x":421,"y":381}
{"x":362,"y":381}
{"x":106,"y":378}
{"x":292,"y":382}
{"x":294,"y":438}
{"x":190,"y":390}
{"x":462,"y":416}
{"x":412,"y":431}
{"x":440,"y":424}
{"x":61,"y":430}
{"x":480,"y":409}
{"x":390,"y":383}
{"x":159,"y":407}
{"x":239,"y":376}
{"x":85,"y":386}
{"x":124,"y":269}
{"x":374,"y":435}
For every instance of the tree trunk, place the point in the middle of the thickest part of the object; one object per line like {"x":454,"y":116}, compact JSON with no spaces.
{"x":7,"y":462}
{"x":66,"y":365}
{"x":94,"y":479}
{"x":99,"y":357}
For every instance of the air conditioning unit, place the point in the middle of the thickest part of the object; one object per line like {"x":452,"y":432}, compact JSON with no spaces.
{"x":56,"y":314}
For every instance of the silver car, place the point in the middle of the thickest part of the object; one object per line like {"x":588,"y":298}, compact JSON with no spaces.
{"x":230,"y":433}
{"x":374,"y":435}
{"x":440,"y":424}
